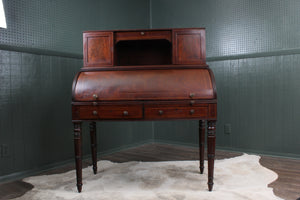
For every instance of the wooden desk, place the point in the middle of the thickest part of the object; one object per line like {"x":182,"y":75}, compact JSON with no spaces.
{"x":156,"y":74}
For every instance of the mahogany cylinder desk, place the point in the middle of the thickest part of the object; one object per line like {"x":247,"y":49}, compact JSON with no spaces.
{"x":151,"y":74}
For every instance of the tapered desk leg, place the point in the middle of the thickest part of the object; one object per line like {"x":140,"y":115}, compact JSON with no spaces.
{"x":78,"y":153}
{"x":211,"y":145}
{"x":93,"y":145}
{"x":201,"y":144}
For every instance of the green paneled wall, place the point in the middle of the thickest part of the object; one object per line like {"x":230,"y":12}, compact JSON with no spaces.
{"x":253,"y":47}
{"x":40,"y":52}
{"x":258,"y":97}
{"x":234,"y":27}
{"x":35,"y":113}
{"x":56,"y":26}
{"x":35,"y":109}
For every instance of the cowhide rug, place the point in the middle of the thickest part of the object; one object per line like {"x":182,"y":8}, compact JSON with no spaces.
{"x":238,"y":178}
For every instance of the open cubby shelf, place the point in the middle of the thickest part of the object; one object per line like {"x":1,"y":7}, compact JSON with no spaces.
{"x":143,"y":52}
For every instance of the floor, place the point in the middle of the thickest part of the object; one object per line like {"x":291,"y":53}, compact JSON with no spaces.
{"x":287,"y":186}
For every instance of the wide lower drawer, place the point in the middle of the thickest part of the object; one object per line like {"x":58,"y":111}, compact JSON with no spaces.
{"x":175,"y":112}
{"x":110,"y":112}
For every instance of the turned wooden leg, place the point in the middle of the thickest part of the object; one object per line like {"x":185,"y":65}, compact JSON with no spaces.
{"x":201,"y":144}
{"x":78,"y":153}
{"x":211,"y":145}
{"x":93,"y":145}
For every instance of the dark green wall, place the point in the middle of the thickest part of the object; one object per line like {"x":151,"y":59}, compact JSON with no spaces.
{"x":259,"y":98}
{"x":234,"y":27}
{"x":253,"y":48}
{"x":40,"y":52}
{"x":56,"y":26}
{"x":35,"y":109}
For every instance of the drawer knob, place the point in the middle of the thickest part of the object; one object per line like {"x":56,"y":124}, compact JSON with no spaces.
{"x":142,"y":33}
{"x":160,"y":112}
{"x":192,"y":111}
{"x":192,"y":103}
{"x":125,"y":113}
{"x":192,"y":95}
{"x":95,"y":96}
{"x":95,"y":112}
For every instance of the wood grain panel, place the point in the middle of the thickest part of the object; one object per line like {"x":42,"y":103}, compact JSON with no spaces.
{"x":144,"y":85}
{"x":108,"y":112}
{"x":189,"y":46}
{"x":175,"y":112}
{"x":143,"y":35}
{"x":98,"y":49}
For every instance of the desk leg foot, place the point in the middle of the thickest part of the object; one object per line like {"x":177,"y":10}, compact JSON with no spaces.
{"x":93,"y":145}
{"x":79,"y":187}
{"x":211,"y":145}
{"x":201,"y":144}
{"x":78,"y":153}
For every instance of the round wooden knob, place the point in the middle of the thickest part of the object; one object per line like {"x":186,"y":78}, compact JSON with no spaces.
{"x":125,"y":113}
{"x":95,"y":96}
{"x":192,"y":95}
{"x":95,"y":112}
{"x":192,"y":111}
{"x":142,"y":33}
{"x":192,"y":102}
{"x":160,"y":112}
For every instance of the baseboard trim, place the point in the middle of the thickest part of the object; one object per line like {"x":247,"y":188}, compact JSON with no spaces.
{"x":32,"y":172}
{"x":52,"y":166}
{"x":238,"y":150}
{"x":184,"y":144}
{"x":261,"y":153}
{"x":125,"y":147}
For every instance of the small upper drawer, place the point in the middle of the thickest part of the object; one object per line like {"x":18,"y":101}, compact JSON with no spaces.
{"x":142,"y":35}
{"x":110,"y":112}
{"x":175,"y":112}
